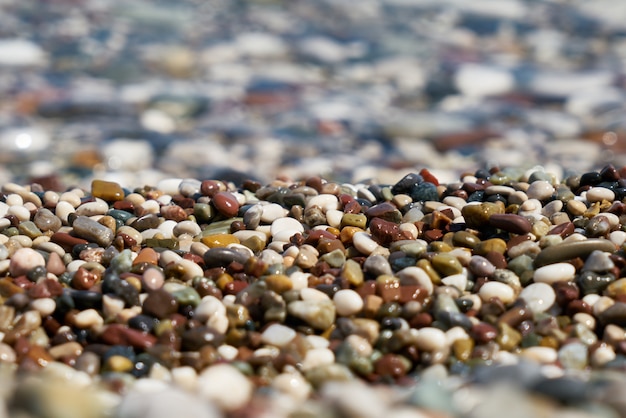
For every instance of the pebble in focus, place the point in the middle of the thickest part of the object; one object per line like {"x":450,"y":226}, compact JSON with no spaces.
{"x":216,"y":291}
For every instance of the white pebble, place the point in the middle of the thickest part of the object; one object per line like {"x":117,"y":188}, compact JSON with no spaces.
{"x":72,"y":198}
{"x":24,"y":260}
{"x":89,"y":318}
{"x":602,"y":355}
{"x":169,"y":186}
{"x":20,"y":212}
{"x":278,"y":335}
{"x":457,"y":280}
{"x":497,"y":290}
{"x":299,"y":280}
{"x":97,"y":207}
{"x":325,"y":202}
{"x":431,"y":339}
{"x":187,"y":227}
{"x":311,"y":294}
{"x":226,"y":386}
{"x":219,"y":322}
{"x":45,"y":306}
{"x":63,"y":209}
{"x":617,"y":237}
{"x":364,"y":243}
{"x":584,"y":318}
{"x":347,"y":302}
{"x":598,"y":194}
{"x":540,"y":190}
{"x":538,"y":296}
{"x":552,"y":273}
{"x":228,"y":352}
{"x":544,"y":355}
{"x":273,"y":212}
{"x":185,"y":377}
{"x":208,"y":306}
{"x":333,"y":217}
{"x":418,"y":276}
{"x":292,"y":384}
{"x":317,"y":357}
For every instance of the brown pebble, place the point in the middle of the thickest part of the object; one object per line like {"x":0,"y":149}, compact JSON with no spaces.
{"x":226,"y":204}
{"x":159,"y":304}
{"x":118,"y":334}
{"x":510,"y":222}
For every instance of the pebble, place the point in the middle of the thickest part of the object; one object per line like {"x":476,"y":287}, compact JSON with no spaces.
{"x":538,"y":296}
{"x":225,"y":386}
{"x":553,"y":273}
{"x":497,"y":290}
{"x":24,"y":260}
{"x":347,"y":302}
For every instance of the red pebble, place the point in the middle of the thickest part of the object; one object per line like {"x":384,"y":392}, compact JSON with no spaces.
{"x":428,"y":176}
{"x":226,"y":204}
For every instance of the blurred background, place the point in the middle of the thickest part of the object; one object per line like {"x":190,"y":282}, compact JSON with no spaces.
{"x":136,"y":91}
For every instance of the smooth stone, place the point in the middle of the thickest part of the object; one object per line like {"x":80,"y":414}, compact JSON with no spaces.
{"x":614,"y":314}
{"x":446,"y":264}
{"x":465,"y":239}
{"x":226,"y":204}
{"x":219,"y":240}
{"x":91,"y":230}
{"x":97,"y":207}
{"x":477,"y":215}
{"x":364,"y":243}
{"x":107,"y":190}
{"x":46,"y":220}
{"x":225,"y":386}
{"x":481,"y":267}
{"x":160,"y":304}
{"x":572,"y":249}
{"x":278,"y":335}
{"x":347,"y":302}
{"x":273,"y":212}
{"x":414,"y":275}
{"x":24,"y":260}
{"x":553,"y":273}
{"x":352,"y":272}
{"x":377,"y":265}
{"x":598,"y":261}
{"x":324,"y":201}
{"x":320,"y":314}
{"x":281,"y":225}
{"x":573,"y":356}
{"x":510,"y":222}
{"x":496,"y":290}
{"x":540,"y":190}
{"x":598,"y":194}
{"x":164,"y":402}
{"x":538,"y":296}
{"x":431,"y":339}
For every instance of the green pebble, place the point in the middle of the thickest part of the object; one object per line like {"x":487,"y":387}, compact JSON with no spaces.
{"x":387,"y":195}
{"x":10,"y":231}
{"x":354,"y":219}
{"x":409,"y":247}
{"x":187,"y":296}
{"x":219,"y":227}
{"x":499,"y":178}
{"x":335,"y":258}
{"x":446,"y":264}
{"x":120,"y":215}
{"x":203,"y":212}
{"x":29,"y":229}
{"x":169,"y":243}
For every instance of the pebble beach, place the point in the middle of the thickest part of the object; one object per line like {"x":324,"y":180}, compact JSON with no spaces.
{"x":408,"y":209}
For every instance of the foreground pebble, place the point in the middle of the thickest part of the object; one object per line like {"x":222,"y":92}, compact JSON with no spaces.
{"x":239,"y":301}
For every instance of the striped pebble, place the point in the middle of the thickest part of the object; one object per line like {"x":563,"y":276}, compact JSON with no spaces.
{"x":553,"y":273}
